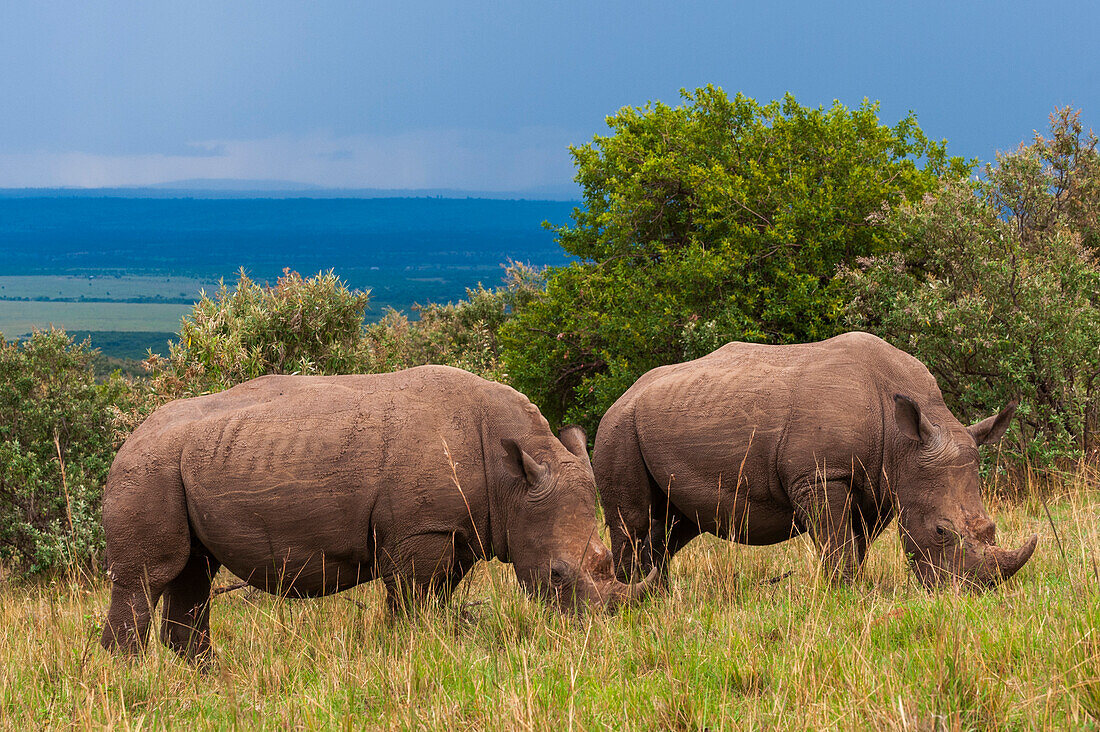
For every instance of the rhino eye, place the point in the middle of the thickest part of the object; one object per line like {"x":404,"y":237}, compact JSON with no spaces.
{"x":945,"y":533}
{"x":559,"y":572}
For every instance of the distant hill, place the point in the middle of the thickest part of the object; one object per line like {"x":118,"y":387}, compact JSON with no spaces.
{"x":203,"y":188}
{"x":230,"y":184}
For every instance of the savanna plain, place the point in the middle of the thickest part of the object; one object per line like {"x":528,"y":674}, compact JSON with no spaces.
{"x":745,"y":637}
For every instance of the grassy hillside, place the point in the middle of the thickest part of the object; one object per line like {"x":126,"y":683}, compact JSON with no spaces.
{"x":747,"y":637}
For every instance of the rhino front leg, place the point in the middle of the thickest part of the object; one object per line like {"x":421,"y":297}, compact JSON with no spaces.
{"x":826,"y":511}
{"x":667,"y":536}
{"x":428,"y":568}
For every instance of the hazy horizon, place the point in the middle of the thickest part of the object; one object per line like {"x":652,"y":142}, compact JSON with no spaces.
{"x":245,"y":188}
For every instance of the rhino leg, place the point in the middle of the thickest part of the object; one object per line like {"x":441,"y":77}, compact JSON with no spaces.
{"x":406,"y":595}
{"x":859,"y":548}
{"x":827,"y":512}
{"x":668,"y":535}
{"x":148,"y":545}
{"x":627,"y":495}
{"x":126,"y":628}
{"x":185,"y":622}
{"x":629,"y":534}
{"x":427,"y":569}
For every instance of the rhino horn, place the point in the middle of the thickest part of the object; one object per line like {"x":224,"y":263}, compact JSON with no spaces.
{"x":1005,"y":563}
{"x":625,"y":594}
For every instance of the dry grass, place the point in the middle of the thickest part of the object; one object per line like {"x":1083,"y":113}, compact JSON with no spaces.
{"x":726,"y":648}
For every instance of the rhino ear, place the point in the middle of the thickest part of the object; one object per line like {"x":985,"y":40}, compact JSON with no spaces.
{"x":520,"y":463}
{"x":576,"y":441}
{"x":911,"y":422}
{"x":993,"y":428}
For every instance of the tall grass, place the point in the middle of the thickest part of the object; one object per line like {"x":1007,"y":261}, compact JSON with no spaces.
{"x":737,"y":642}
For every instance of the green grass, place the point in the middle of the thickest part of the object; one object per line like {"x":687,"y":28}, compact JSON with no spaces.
{"x":729,"y":647}
{"x":38,"y":301}
{"x":128,"y":345}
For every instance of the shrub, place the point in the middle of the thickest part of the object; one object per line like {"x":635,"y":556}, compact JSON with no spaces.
{"x":57,"y":439}
{"x":316,"y":326}
{"x":998,"y":291}
{"x":717,"y":220}
{"x":465,"y":334}
{"x":298,"y":326}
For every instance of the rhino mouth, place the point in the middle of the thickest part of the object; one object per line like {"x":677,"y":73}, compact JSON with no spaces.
{"x":581,"y":591}
{"x":980,"y":570}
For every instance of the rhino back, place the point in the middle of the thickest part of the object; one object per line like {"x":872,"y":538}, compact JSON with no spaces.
{"x":293,"y":469}
{"x":772,"y":416}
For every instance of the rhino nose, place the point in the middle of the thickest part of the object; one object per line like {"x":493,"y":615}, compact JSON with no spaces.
{"x":982,"y":528}
{"x":599,"y":559}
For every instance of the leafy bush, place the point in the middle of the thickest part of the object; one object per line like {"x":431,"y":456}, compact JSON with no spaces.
{"x":315,"y":326}
{"x":57,"y":440}
{"x":713,"y":221}
{"x":998,"y":291}
{"x":465,"y":334}
{"x":300,"y":325}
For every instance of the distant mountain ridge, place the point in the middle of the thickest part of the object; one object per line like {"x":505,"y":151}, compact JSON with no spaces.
{"x":238,"y":188}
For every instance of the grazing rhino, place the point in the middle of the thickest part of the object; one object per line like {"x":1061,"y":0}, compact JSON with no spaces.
{"x":760,"y":443}
{"x":309,"y":485}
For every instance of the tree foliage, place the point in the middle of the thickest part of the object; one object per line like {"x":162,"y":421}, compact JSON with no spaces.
{"x":57,"y":440}
{"x":716,"y":220}
{"x":998,"y":290}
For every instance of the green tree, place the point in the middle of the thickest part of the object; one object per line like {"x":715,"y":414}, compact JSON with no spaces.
{"x":58,"y":434}
{"x":716,"y":220}
{"x":998,"y":291}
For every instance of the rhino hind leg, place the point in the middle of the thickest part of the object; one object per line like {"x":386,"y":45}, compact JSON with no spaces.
{"x":185,"y":622}
{"x":148,"y":544}
{"x":630,"y":545}
{"x":628,"y":494}
{"x":126,"y":628}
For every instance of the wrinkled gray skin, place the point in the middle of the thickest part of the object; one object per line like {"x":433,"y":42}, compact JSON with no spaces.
{"x":761,"y":443}
{"x":309,"y":485}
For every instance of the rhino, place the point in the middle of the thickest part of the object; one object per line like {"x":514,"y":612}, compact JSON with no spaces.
{"x":308,"y":485}
{"x":760,"y":443}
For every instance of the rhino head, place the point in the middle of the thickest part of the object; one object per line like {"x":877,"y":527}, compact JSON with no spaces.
{"x":553,"y":534}
{"x":944,"y":526}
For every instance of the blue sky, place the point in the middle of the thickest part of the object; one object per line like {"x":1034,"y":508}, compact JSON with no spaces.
{"x":488,"y":95}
